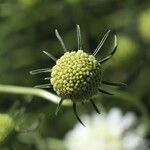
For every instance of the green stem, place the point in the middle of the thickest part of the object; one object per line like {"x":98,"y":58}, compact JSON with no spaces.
{"x":10,"y":89}
{"x":135,"y":102}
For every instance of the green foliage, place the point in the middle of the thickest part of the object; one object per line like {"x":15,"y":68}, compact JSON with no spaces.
{"x":27,"y":28}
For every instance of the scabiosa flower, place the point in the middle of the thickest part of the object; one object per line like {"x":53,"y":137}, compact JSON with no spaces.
{"x":6,"y":127}
{"x":77,"y":75}
{"x":111,"y":131}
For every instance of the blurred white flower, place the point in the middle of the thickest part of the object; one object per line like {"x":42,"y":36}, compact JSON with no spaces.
{"x":110,"y":131}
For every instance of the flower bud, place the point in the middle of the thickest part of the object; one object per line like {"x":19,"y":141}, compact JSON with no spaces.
{"x":6,"y":127}
{"x":76,"y":75}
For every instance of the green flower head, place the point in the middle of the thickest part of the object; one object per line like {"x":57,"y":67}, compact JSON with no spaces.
{"x":6,"y":127}
{"x":77,"y":75}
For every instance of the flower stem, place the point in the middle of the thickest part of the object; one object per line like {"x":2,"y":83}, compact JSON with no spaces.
{"x":11,"y":89}
{"x":137,"y":103}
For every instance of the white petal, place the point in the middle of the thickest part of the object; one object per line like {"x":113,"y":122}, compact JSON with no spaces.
{"x":128,"y":120}
{"x":114,"y":121}
{"x":133,"y":142}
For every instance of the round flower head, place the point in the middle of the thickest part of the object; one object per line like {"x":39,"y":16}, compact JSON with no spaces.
{"x":77,"y":75}
{"x":6,"y":127}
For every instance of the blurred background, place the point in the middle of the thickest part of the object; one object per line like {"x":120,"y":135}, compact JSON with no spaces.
{"x":27,"y":27}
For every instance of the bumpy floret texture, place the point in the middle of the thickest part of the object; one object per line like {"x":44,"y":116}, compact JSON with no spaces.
{"x":6,"y":127}
{"x":76,"y":75}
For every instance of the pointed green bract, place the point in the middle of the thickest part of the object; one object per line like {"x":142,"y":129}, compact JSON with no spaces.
{"x":105,"y":92}
{"x":44,"y":86}
{"x":79,"y":37}
{"x":37,"y":71}
{"x":58,"y":107}
{"x":60,"y":40}
{"x":47,"y":78}
{"x":114,"y":84}
{"x":98,"y":48}
{"x":76,"y":114}
{"x":112,"y":52}
{"x":50,"y":55}
{"x":94,"y":106}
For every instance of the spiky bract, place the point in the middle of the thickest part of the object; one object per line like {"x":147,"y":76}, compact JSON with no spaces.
{"x":76,"y":75}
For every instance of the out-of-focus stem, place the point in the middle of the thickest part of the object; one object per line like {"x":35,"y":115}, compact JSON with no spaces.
{"x":135,"y":102}
{"x":10,"y":89}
